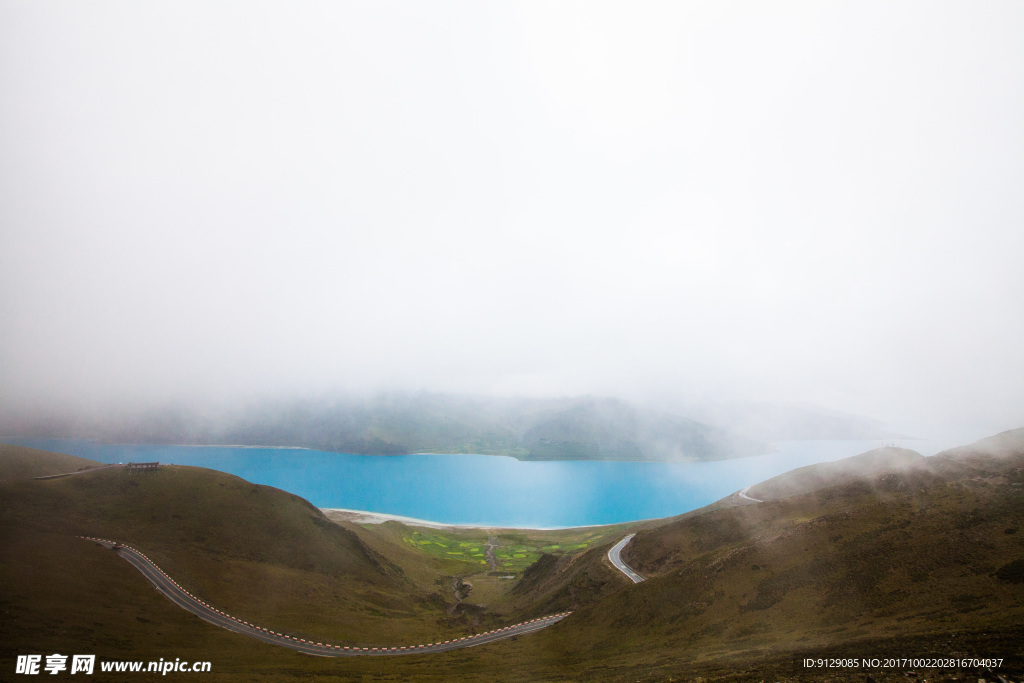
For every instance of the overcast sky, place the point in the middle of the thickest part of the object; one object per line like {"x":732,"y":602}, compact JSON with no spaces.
{"x":803,"y":202}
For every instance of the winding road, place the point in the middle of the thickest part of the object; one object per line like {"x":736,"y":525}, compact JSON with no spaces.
{"x":743,"y":494}
{"x":179,"y":596}
{"x":614,"y":557}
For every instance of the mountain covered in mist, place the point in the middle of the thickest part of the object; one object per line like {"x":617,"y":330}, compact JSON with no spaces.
{"x":580,"y":428}
{"x":392,"y":424}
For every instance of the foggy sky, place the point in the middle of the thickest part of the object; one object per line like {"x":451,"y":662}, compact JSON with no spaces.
{"x":803,"y":202}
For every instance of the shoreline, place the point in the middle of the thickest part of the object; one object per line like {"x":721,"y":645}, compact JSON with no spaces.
{"x":367,"y":517}
{"x":226,"y":445}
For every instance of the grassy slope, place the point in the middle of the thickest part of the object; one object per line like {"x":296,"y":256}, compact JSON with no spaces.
{"x":905,"y":562}
{"x":857,"y":468}
{"x":18,"y":462}
{"x":911,"y":554}
{"x":230,"y":541}
{"x":259,"y":553}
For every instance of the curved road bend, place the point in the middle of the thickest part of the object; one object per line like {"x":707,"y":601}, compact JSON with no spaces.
{"x":743,"y":494}
{"x":186,"y":600}
{"x":613,"y":556}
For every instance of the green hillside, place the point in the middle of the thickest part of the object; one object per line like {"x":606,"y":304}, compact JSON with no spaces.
{"x":858,"y":468}
{"x":229,"y":541}
{"x":886,"y":554}
{"x":256,"y":552}
{"x":17,"y":462}
{"x":921,"y":558}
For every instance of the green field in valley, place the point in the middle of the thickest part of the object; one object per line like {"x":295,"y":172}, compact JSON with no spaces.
{"x":514,"y":551}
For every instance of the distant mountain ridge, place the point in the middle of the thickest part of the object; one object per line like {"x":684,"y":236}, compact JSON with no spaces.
{"x":605,"y":429}
{"x":585,"y":428}
{"x":781,"y":422}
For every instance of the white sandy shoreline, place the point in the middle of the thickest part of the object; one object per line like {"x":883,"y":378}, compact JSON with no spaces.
{"x":233,"y":445}
{"x":365,"y":517}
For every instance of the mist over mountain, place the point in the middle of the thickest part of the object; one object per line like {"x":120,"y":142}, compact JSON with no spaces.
{"x":571,"y":428}
{"x":678,"y":231}
{"x":549,"y":200}
{"x":581,"y":428}
{"x":775,"y":422}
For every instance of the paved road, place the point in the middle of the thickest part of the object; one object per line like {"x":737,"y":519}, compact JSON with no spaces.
{"x":743,"y":494}
{"x":613,"y":555}
{"x":71,"y":474}
{"x":186,"y":600}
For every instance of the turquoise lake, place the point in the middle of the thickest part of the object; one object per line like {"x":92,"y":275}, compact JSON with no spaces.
{"x":480,"y":489}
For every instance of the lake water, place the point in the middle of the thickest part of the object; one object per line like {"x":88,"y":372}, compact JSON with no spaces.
{"x":481,"y":489}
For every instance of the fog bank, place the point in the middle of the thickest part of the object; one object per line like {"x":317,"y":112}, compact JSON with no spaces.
{"x":674,"y":203}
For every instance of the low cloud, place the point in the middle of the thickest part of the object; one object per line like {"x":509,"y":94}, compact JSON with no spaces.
{"x":674,"y":204}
